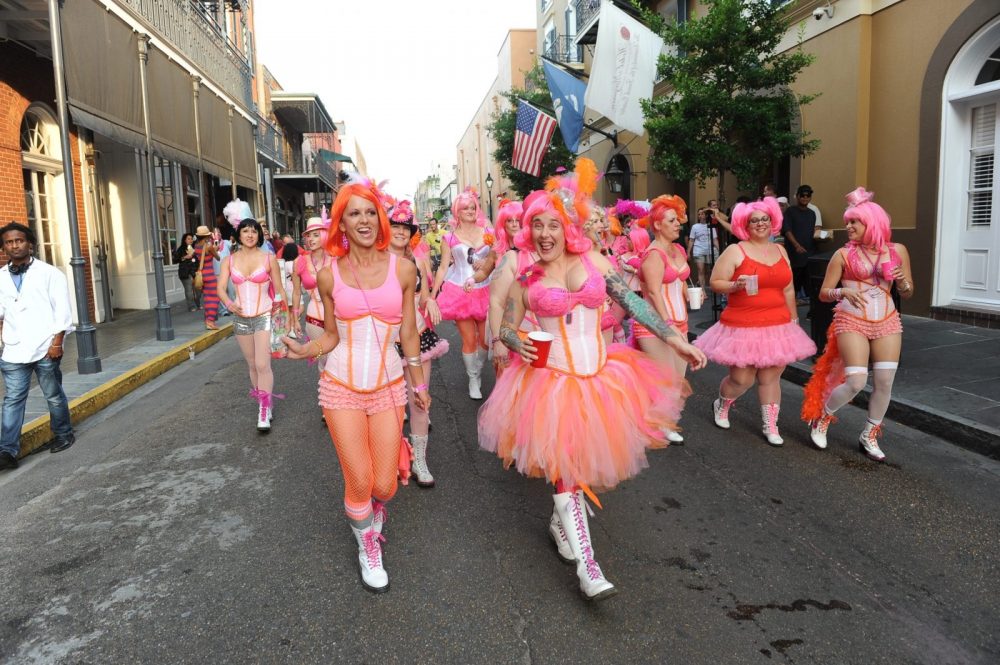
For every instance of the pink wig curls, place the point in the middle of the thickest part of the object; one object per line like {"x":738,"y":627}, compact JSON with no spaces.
{"x":640,"y":240}
{"x":742,"y":212}
{"x":568,"y":199}
{"x":876,"y":220}
{"x":508,"y":210}
{"x":470,"y":195}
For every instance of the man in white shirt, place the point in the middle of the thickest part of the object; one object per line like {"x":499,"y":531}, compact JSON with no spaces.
{"x":34,"y":318}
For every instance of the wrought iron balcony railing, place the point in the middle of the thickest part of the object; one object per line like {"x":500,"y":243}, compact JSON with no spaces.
{"x":586,"y":14}
{"x":185,"y":25}
{"x":270,"y":141}
{"x":564,"y":49}
{"x":309,"y":164}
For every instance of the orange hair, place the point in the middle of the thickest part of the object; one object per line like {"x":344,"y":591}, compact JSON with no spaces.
{"x":665,"y":202}
{"x":614,"y":224}
{"x":334,"y":241}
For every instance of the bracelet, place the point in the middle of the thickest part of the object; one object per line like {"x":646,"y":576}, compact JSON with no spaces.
{"x":319,"y":346}
{"x":909,"y":287}
{"x":421,"y":388}
{"x":414,"y":363}
{"x":495,"y":340}
{"x":57,"y":346}
{"x":412,"y":359}
{"x":836,"y":294}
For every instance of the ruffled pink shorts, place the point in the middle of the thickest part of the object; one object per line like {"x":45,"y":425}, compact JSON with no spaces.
{"x":333,"y":395}
{"x":844,"y":323}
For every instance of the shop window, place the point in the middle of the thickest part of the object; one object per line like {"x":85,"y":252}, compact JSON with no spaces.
{"x":166,"y":222}
{"x":41,"y":158}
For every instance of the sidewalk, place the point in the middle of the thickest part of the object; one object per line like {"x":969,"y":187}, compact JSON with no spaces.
{"x":130,"y":356}
{"x":948,"y":381}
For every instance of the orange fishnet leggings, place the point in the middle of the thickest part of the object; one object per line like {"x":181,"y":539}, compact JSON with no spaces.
{"x":368,"y":450}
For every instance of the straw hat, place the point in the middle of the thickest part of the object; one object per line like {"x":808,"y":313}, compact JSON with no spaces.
{"x":202,"y":231}
{"x":316,"y":224}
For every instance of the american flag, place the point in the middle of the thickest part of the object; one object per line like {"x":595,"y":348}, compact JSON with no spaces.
{"x":532,"y":134}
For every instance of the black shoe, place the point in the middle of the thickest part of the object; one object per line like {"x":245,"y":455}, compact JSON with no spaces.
{"x":60,"y":445}
{"x":8,"y":461}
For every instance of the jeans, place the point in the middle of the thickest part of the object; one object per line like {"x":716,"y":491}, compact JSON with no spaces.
{"x":17,"y":379}
{"x":192,"y":297}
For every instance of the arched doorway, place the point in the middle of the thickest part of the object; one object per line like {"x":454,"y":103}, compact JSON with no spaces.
{"x":968,"y":215}
{"x":618,"y":176}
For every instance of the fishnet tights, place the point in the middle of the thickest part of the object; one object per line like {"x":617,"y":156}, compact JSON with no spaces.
{"x":368,"y":450}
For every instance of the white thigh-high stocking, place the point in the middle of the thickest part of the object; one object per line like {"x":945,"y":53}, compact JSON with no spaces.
{"x":856,"y":379}
{"x":885,"y":373}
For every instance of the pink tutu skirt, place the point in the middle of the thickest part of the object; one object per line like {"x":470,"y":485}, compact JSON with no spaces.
{"x":456,"y":304}
{"x":590,"y":431}
{"x":768,"y":346}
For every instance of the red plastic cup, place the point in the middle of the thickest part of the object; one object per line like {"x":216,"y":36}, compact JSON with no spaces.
{"x":542,"y":341}
{"x":887,"y":267}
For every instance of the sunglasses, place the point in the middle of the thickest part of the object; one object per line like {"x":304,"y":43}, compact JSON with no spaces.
{"x":759,"y":221}
{"x":471,"y":257}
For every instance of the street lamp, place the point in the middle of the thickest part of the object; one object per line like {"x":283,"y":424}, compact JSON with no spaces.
{"x":489,"y":192}
{"x":614,"y":175}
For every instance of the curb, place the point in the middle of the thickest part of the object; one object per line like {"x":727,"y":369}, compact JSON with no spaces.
{"x":960,"y":431}
{"x":37,"y":433}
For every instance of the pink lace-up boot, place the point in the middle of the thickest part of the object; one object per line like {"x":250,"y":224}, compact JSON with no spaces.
{"x":571,"y":509}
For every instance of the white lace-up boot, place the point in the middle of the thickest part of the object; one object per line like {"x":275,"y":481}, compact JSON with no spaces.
{"x":572,"y":511}
{"x":558,"y":534}
{"x":868,"y":441}
{"x":473,"y":369}
{"x":673,"y":436}
{"x":420,"y":471}
{"x":720,"y":410}
{"x":373,"y":575}
{"x":818,"y":429}
{"x":769,"y":418}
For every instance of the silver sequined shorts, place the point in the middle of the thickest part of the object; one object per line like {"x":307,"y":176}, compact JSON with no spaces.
{"x":243,"y":325}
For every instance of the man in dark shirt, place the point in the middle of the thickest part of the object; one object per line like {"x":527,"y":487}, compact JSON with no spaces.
{"x":798,"y":226}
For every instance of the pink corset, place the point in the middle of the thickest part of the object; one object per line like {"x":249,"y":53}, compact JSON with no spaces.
{"x":578,"y":347}
{"x":548,"y":301}
{"x":253,"y":291}
{"x":672,"y":289}
{"x":365,"y":359}
{"x":861,"y":274}
{"x":307,"y":273}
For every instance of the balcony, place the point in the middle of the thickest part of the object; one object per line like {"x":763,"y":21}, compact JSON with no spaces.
{"x":565,"y":50}
{"x":190,"y":28}
{"x":270,"y":142}
{"x":589,"y":11}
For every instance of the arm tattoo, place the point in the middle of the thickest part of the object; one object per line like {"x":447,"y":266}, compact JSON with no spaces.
{"x":508,"y":335}
{"x":637,"y":308}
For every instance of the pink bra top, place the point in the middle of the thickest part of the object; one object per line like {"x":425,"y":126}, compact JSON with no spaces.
{"x":386,"y":301}
{"x":859,"y":267}
{"x":556,"y":301}
{"x":306,"y":271}
{"x":670,"y":273}
{"x":252,"y":291}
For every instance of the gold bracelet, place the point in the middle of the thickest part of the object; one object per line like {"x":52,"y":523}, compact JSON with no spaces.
{"x":320,"y":351}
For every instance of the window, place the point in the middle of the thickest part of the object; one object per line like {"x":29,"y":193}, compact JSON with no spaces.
{"x":192,"y":199}
{"x":41,"y":159}
{"x":991,"y":69}
{"x":984,"y":122}
{"x":166,"y":222}
{"x":549,"y":40}
{"x":544,"y":5}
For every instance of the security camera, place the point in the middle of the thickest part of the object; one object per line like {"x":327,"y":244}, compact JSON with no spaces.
{"x":820,"y":12}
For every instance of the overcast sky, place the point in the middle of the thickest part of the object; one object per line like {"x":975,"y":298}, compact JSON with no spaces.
{"x":405,"y":76}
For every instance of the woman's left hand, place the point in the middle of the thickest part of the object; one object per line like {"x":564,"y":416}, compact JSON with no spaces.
{"x":423,"y":400}
{"x":469,"y":283}
{"x":434,"y":312}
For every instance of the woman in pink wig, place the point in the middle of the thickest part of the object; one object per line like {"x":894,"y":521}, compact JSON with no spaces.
{"x":584,"y":418}
{"x":405,"y":243}
{"x":504,"y":264}
{"x":462,"y":250}
{"x":307,"y":267}
{"x":866,"y":324}
{"x":664,"y":272}
{"x":758,"y":333}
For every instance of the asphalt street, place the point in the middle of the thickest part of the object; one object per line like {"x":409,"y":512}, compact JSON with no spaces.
{"x":173,"y":533}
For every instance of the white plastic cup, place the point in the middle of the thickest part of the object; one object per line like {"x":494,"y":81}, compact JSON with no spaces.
{"x":751,"y":285}
{"x":695,"y":296}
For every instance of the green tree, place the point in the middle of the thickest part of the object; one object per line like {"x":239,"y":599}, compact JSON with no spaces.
{"x":502,"y":131}
{"x":730,"y":107}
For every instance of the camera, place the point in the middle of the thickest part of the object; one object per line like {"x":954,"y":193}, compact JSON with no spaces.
{"x":820,"y":12}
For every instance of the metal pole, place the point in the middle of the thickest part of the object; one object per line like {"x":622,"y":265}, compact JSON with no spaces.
{"x":88,"y":362}
{"x":202,"y":203}
{"x":164,"y":327}
{"x":232,"y":153}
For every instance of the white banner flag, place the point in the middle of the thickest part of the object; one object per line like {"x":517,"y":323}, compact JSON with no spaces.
{"x":624,"y":68}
